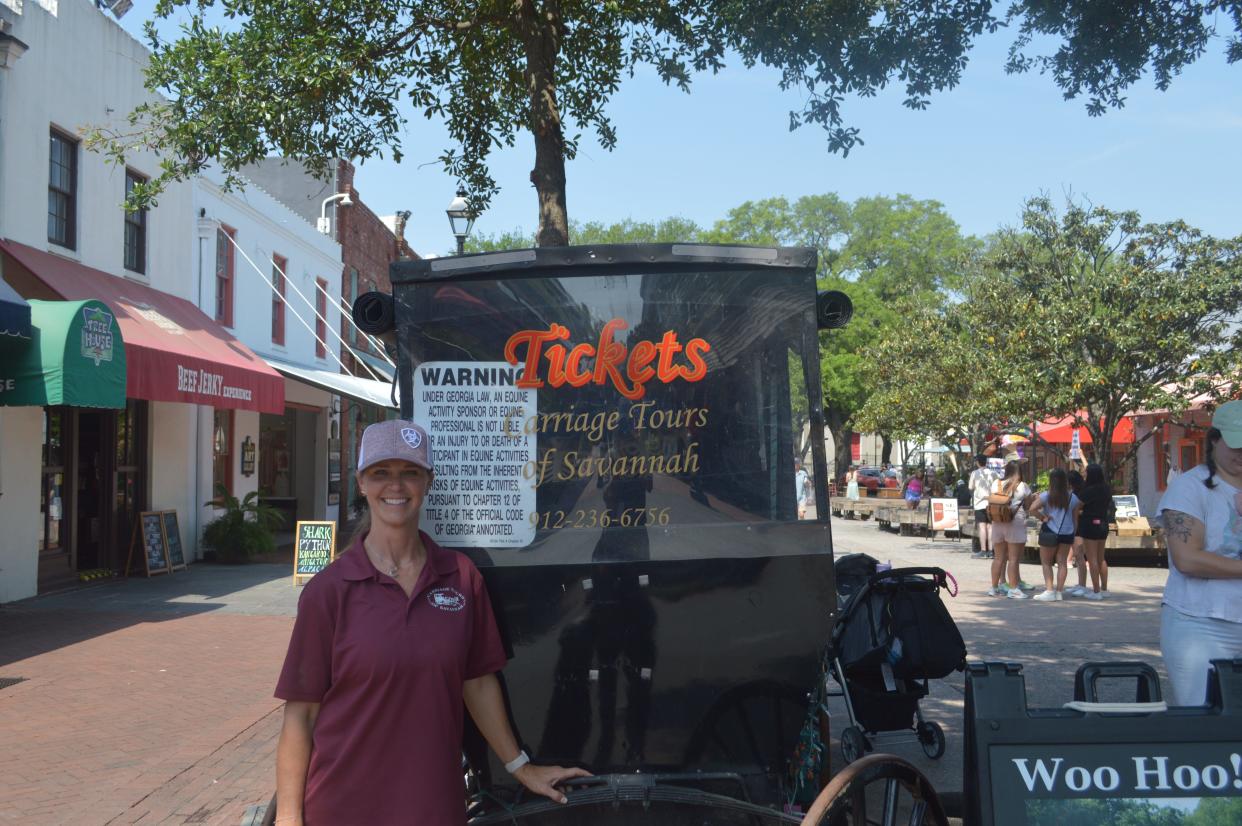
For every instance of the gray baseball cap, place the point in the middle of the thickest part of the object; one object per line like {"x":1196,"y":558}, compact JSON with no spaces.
{"x":394,"y":439}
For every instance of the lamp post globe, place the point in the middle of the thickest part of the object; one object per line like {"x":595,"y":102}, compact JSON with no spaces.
{"x":461,"y":219}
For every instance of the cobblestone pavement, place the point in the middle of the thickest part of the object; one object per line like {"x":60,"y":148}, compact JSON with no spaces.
{"x":149,"y":701}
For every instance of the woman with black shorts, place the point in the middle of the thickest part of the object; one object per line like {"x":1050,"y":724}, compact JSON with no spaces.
{"x":1057,"y":510}
{"x":1097,"y":501}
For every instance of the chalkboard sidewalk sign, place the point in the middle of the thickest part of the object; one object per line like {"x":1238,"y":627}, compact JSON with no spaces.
{"x":172,"y":541}
{"x":151,"y":543}
{"x":1094,"y":762}
{"x":314,"y":547}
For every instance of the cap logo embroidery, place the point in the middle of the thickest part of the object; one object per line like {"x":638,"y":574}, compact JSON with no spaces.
{"x":447,"y":599}
{"x":412,"y":437}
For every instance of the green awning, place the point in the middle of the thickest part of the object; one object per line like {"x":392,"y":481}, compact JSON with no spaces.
{"x":76,"y":357}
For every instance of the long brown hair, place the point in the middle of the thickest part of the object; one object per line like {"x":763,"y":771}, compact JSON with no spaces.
{"x":1058,"y":489}
{"x":1213,"y":436}
{"x":1013,"y":474}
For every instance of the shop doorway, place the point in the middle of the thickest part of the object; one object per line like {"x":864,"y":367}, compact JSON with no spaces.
{"x":289,"y":452}
{"x":93,"y":487}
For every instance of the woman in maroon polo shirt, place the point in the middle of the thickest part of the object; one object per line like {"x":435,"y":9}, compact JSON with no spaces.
{"x":390,"y":639}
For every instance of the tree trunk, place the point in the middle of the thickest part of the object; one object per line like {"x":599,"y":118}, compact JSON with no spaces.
{"x":844,"y":453}
{"x":540,"y":30}
{"x":886,"y":449}
{"x":841,"y":441}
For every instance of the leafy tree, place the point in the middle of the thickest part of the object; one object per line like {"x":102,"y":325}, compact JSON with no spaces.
{"x":629,"y":231}
{"x":1215,"y":811}
{"x":1099,"y":315}
{"x":939,"y":375}
{"x":885,"y":253}
{"x":843,"y":374}
{"x":1094,"y":812}
{"x":901,"y":247}
{"x":317,"y":79}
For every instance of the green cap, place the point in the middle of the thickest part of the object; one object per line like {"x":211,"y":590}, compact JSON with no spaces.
{"x":1228,"y":420}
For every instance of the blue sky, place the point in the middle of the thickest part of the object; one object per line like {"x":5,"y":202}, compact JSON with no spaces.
{"x":980,"y":149}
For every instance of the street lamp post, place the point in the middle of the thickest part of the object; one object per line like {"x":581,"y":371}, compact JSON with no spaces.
{"x":461,"y":219}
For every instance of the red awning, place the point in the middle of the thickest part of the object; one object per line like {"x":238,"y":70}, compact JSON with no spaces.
{"x":1061,"y":431}
{"x":174,"y":352}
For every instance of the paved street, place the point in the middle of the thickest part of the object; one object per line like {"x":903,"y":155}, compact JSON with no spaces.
{"x":149,"y":701}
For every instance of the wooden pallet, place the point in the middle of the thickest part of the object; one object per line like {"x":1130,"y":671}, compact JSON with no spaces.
{"x":1134,"y":526}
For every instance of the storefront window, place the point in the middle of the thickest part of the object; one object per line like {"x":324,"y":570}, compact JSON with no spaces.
{"x":221,"y":450}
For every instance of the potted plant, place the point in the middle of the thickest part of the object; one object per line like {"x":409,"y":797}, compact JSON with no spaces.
{"x":244,"y":529}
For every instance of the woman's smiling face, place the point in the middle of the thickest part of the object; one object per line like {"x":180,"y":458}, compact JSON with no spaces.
{"x":394,"y":490}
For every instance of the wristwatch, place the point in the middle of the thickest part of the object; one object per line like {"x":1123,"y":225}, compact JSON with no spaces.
{"x":518,"y":762}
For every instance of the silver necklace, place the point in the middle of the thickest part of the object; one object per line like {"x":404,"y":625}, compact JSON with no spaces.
{"x":392,"y":566}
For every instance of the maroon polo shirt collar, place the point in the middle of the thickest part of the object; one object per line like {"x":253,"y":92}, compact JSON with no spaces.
{"x":356,"y":566}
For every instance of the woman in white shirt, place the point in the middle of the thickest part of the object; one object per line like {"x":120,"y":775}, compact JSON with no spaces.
{"x":1202,"y":511}
{"x":1009,"y":538}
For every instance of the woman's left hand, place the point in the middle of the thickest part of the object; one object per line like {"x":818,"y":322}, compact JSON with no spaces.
{"x":543,"y":779}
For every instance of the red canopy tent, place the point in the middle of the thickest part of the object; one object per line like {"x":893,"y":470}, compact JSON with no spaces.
{"x":1061,"y":431}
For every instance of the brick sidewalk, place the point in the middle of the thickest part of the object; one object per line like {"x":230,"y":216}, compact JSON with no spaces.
{"x":163,"y":717}
{"x":149,"y":701}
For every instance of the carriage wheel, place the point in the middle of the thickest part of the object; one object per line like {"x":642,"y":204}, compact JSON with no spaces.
{"x":931,"y":736}
{"x":899,"y":788}
{"x":853,"y":744}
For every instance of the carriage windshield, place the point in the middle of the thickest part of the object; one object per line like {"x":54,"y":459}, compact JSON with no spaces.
{"x":617,"y":417}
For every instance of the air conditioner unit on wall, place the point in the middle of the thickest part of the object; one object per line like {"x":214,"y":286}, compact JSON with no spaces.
{"x":120,"y":7}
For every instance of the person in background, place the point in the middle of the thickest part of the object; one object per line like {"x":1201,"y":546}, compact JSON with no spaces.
{"x":913,"y":492}
{"x":800,"y":486}
{"x":1057,"y":510}
{"x":1009,"y":538}
{"x":1097,"y":505}
{"x":932,"y":486}
{"x":851,"y":483}
{"x":392,"y":642}
{"x":1201,"y":617}
{"x":982,"y":480}
{"x":961,"y":492}
{"x":1079,"y":552}
{"x":1170,"y":459}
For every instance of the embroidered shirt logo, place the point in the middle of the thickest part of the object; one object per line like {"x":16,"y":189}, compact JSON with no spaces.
{"x":447,"y":599}
{"x":412,"y":437}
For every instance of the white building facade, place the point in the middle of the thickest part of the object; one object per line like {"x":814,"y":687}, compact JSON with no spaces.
{"x":81,"y":462}
{"x":269,"y":277}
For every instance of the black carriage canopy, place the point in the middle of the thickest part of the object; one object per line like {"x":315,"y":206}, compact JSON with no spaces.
{"x":614,"y":431}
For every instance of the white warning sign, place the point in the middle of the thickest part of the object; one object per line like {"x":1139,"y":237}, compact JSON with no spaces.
{"x":481,"y":497}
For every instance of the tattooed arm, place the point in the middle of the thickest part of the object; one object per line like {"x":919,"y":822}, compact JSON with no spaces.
{"x":1185,"y":536}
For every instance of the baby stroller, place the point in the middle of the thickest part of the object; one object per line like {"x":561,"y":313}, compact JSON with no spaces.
{"x":892,"y":635}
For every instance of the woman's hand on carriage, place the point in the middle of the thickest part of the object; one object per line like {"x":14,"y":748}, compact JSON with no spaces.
{"x":544,"y":779}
